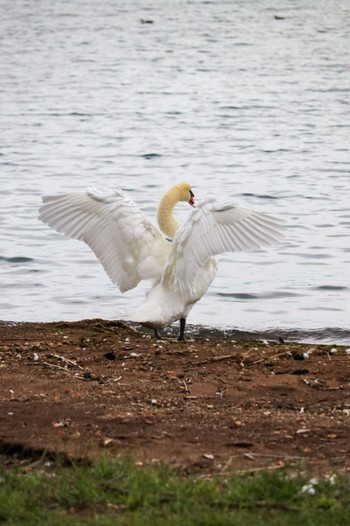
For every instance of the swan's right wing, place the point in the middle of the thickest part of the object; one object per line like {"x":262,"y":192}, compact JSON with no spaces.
{"x":215,"y":227}
{"x":129,"y":247}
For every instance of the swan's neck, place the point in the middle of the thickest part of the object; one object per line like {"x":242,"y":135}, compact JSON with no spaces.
{"x":166,"y":221}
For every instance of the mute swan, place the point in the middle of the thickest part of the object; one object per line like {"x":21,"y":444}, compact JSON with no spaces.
{"x":131,"y":249}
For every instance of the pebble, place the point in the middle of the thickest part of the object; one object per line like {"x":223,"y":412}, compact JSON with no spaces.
{"x":310,"y":487}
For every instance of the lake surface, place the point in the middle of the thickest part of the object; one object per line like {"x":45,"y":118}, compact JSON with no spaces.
{"x":248,"y":101}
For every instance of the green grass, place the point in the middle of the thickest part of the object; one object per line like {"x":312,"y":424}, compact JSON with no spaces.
{"x":119,"y":493}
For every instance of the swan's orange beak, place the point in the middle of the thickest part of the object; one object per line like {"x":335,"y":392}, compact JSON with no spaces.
{"x":191,"y":201}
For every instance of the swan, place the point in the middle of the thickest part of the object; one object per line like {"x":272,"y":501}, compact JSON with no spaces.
{"x":179,"y":259}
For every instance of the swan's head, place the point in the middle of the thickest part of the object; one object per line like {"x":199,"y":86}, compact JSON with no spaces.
{"x":184,"y":193}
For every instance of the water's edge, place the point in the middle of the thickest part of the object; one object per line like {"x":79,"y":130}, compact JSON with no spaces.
{"x":326,"y":336}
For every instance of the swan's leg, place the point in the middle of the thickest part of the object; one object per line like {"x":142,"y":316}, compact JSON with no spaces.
{"x":157,"y":335}
{"x":182,"y":329}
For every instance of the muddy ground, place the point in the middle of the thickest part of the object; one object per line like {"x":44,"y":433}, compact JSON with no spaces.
{"x":205,"y":406}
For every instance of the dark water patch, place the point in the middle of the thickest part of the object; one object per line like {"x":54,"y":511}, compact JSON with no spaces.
{"x":313,"y":256}
{"x":243,"y":44}
{"x":17,"y":259}
{"x":239,"y":296}
{"x":337,"y":236}
{"x":319,"y":309}
{"x":276,"y":150}
{"x":329,"y":90}
{"x":330,"y":287}
{"x":21,"y":286}
{"x":259,"y":196}
{"x":78,"y":114}
{"x":230,"y":108}
{"x":262,"y":295}
{"x":333,"y":170}
{"x":149,"y":156}
{"x":312,"y":263}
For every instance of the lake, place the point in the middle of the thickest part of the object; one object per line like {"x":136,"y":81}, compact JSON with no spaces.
{"x":248,"y":101}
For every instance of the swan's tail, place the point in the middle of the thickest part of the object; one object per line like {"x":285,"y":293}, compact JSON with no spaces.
{"x":153,"y":319}
{"x":162,"y":307}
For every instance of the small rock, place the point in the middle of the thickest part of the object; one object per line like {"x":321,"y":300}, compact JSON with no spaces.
{"x":61,"y":423}
{"x":309,"y":488}
{"x":302,"y":431}
{"x":208,"y":456}
{"x":110,"y":356}
{"x":298,"y":356}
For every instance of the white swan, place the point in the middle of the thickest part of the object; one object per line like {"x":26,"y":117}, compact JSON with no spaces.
{"x":131,"y":249}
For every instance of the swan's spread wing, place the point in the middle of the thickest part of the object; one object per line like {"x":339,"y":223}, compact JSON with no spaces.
{"x":214,"y":228}
{"x":126,"y":243}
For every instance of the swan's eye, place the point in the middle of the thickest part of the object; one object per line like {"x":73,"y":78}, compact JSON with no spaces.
{"x":191,"y":201}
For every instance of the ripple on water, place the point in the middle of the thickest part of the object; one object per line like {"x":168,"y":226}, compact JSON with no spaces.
{"x":17,"y":259}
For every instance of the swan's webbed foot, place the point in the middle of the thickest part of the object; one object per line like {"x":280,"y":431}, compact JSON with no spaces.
{"x":182,"y":329}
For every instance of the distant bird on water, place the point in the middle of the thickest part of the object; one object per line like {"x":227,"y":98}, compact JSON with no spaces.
{"x":181,"y":262}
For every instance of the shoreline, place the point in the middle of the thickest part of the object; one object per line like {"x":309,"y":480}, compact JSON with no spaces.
{"x":318,"y":336}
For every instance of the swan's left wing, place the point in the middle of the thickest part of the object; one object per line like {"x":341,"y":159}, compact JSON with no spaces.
{"x":213,"y":228}
{"x":129,"y":247}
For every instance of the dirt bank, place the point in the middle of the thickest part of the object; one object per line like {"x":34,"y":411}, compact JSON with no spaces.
{"x":87,"y":387}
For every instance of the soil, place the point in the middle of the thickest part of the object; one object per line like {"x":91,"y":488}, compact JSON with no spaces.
{"x":206,"y":405}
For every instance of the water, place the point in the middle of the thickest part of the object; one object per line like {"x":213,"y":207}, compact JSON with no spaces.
{"x":221,"y":94}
